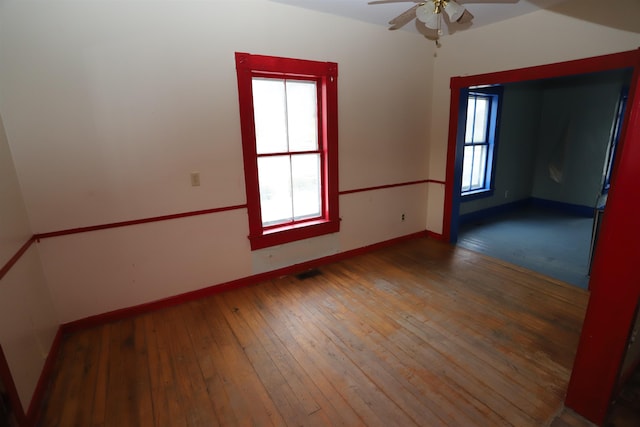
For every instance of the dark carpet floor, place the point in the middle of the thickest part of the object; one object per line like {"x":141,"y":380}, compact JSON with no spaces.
{"x":550,"y":242}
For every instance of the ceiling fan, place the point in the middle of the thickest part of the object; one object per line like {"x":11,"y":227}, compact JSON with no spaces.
{"x":430,"y":13}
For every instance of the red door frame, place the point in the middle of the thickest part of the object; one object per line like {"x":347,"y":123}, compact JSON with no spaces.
{"x":615,"y":279}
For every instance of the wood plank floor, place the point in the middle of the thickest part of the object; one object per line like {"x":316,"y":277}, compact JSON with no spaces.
{"x":421,"y":333}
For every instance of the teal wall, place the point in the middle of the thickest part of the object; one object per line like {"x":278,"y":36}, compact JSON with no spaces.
{"x":575,"y":130}
{"x":562,"y":125}
{"x":516,"y":147}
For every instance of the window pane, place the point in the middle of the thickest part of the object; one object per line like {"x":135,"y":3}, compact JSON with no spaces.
{"x":481,"y":121}
{"x":274,"y":177}
{"x":305,"y":171}
{"x":466,"y":168}
{"x":471,"y":114}
{"x":270,"y":115}
{"x":302,"y":112}
{"x":477,"y":119}
{"x":474,"y":167}
{"x":479,"y":162}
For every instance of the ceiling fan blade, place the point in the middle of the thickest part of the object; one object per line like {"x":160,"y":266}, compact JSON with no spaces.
{"x":404,"y":18}
{"x":465,"y":18}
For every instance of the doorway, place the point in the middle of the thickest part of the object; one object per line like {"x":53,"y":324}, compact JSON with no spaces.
{"x":545,"y":173}
{"x":614,"y":286}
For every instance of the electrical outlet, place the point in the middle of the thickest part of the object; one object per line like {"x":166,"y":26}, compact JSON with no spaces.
{"x":195,"y":179}
{"x":402,"y":217}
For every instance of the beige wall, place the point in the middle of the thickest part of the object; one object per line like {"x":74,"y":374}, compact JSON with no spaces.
{"x":565,"y":33}
{"x":28,"y":322}
{"x":109,"y":106}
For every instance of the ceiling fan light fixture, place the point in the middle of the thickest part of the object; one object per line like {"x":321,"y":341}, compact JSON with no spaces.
{"x":454,"y":10}
{"x":430,"y":14}
{"x":426,"y":13}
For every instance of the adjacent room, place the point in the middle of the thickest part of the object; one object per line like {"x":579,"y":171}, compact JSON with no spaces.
{"x":218,"y":212}
{"x":536,"y":202}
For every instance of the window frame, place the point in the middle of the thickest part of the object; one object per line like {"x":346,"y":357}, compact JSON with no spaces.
{"x":325,"y":74}
{"x":495,"y":94}
{"x":615,"y":138}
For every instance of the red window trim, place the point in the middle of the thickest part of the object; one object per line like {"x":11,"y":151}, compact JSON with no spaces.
{"x":326,"y":74}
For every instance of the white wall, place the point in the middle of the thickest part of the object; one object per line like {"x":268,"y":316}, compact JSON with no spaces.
{"x":537,"y":38}
{"x":28,"y":322}
{"x":110,"y":105}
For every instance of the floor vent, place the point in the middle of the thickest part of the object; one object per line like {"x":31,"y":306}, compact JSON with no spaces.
{"x":309,"y":273}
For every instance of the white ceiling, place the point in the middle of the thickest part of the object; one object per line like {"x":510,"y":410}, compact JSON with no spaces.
{"x":485,"y":11}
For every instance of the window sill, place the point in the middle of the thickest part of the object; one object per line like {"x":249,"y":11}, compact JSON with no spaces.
{"x":291,"y":233}
{"x":475,"y":195}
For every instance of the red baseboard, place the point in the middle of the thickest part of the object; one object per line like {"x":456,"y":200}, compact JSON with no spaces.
{"x":128,"y":312}
{"x":437,"y":236}
{"x":39,"y":394}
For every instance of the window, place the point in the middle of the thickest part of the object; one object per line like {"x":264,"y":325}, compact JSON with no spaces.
{"x":615,"y":137}
{"x":480,"y":140}
{"x":288,"y":116}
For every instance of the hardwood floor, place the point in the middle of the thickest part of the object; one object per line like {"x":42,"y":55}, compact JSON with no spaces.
{"x":421,"y":333}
